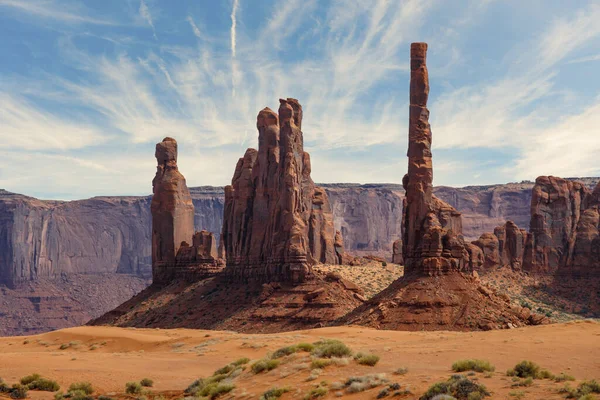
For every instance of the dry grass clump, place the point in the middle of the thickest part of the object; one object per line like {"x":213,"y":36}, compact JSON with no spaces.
{"x":274,"y":393}
{"x":288,"y":350}
{"x":356,"y":384}
{"x":85,"y":387}
{"x":529,"y":369}
{"x":133,"y":388}
{"x":473,"y":365}
{"x":147,"y":382}
{"x":319,"y":391}
{"x":367,"y":359}
{"x":562,"y":377}
{"x":458,"y":387}
{"x":331,"y":348}
{"x":585,"y":390}
{"x":264,"y":365}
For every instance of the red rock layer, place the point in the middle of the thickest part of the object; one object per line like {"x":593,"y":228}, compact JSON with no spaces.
{"x":277,"y":223}
{"x":173,"y":224}
{"x":504,"y":247}
{"x":564,"y":229}
{"x":432,"y":229}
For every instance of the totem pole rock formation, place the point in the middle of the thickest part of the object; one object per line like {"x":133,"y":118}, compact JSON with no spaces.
{"x":564,"y":229}
{"x":173,"y":224}
{"x":432,"y":229}
{"x":277,"y":223}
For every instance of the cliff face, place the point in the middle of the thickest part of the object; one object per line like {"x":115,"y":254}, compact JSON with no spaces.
{"x":112,"y":234}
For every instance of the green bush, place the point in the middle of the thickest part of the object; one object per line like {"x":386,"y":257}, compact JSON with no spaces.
{"x":367,"y":359}
{"x":459,"y":387}
{"x":79,"y":395}
{"x":525,"y":369}
{"x":133,"y":388}
{"x":264,"y":365}
{"x":473,"y":365}
{"x":307,"y":347}
{"x":241,"y":361}
{"x":18,"y":391}
{"x":314,"y":393}
{"x":26,"y":380}
{"x":523,"y":382}
{"x":224,"y":370}
{"x":284,"y":351}
{"x":562,"y":377}
{"x":274,"y":393}
{"x":146,"y":382}
{"x":331,"y":348}
{"x":85,"y":387}
{"x":45,"y":385}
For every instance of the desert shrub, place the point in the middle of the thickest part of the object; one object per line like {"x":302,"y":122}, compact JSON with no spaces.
{"x":284,"y":351}
{"x":147,"y":382}
{"x":274,"y":393}
{"x":241,"y":361}
{"x":133,"y":388}
{"x":588,"y":397}
{"x":457,"y":386}
{"x":264,"y":365}
{"x":78,"y":395}
{"x":473,"y":365}
{"x":43,"y":384}
{"x":307,"y":347}
{"x":384,"y":264}
{"x":18,"y":391}
{"x":215,"y":390}
{"x":26,"y":380}
{"x":523,"y":382}
{"x":401,"y":371}
{"x":545,"y":374}
{"x":562,"y":377}
{"x":320,"y":391}
{"x":443,"y":397}
{"x":331,"y":348}
{"x":224,"y":370}
{"x":588,"y":387}
{"x":356,"y":384}
{"x":104,"y":397}
{"x":320,"y":363}
{"x":525,"y":369}
{"x":85,"y":387}
{"x":367,"y":359}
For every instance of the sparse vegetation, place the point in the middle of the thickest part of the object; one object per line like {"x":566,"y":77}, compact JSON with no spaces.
{"x":529,"y":369}
{"x":264,"y":365}
{"x":320,"y":363}
{"x":401,"y":371}
{"x":18,"y":391}
{"x":562,"y":377}
{"x":521,"y":382}
{"x":211,"y":387}
{"x":274,"y":393}
{"x":356,"y":384}
{"x":331,"y":348}
{"x":587,"y":388}
{"x":319,"y":391}
{"x":133,"y":388}
{"x":367,"y":359}
{"x":26,"y":380}
{"x":517,"y":395}
{"x":241,"y":361}
{"x":459,"y":387}
{"x":85,"y":387}
{"x":473,"y":365}
{"x":147,"y":382}
{"x":43,"y":384}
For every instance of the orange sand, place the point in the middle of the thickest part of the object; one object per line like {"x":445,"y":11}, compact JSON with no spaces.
{"x":175,"y":358}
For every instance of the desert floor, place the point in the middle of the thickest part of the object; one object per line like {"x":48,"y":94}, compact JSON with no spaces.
{"x":109,"y":357}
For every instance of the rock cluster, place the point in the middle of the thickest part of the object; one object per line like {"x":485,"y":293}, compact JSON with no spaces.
{"x":505,"y":247}
{"x":564,"y":230}
{"x":173,"y":224}
{"x":277,"y":223}
{"x":432,"y":229}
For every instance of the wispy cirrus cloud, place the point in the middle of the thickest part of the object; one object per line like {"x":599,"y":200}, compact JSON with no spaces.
{"x":147,"y":16}
{"x":54,"y":10}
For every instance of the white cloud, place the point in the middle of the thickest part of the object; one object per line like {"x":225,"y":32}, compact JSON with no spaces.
{"x":26,"y":126}
{"x":195,"y":28}
{"x":53,"y":10}
{"x":145,"y":14}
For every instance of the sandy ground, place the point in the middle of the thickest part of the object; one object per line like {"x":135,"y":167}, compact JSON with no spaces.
{"x":109,"y":357}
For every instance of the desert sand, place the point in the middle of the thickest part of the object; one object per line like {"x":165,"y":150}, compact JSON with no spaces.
{"x":109,"y":357}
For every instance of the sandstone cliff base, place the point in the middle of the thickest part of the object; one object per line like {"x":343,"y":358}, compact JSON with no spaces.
{"x":216,"y":303}
{"x":453,"y":302}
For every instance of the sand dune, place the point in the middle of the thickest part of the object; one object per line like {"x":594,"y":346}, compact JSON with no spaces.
{"x":109,"y":357}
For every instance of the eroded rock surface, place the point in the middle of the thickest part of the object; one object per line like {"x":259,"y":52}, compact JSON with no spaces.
{"x":277,"y":223}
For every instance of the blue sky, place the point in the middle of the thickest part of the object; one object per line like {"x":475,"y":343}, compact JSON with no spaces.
{"x":88,"y":87}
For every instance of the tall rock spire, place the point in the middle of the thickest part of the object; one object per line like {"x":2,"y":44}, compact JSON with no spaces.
{"x":172,"y":210}
{"x":432,"y":229}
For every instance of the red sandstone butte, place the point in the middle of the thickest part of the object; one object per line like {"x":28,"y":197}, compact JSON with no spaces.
{"x":277,"y":223}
